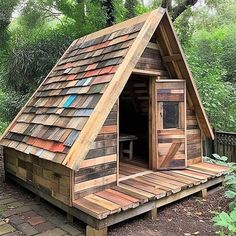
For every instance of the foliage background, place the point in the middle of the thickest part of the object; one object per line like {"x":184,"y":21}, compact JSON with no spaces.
{"x":34,"y":33}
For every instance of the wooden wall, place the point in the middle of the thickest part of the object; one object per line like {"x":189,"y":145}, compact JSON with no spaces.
{"x":151,"y":60}
{"x":99,"y":169}
{"x":46,"y":176}
{"x":194,"y":145}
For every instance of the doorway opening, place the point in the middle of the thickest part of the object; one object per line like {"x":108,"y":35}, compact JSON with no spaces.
{"x":134,"y":126}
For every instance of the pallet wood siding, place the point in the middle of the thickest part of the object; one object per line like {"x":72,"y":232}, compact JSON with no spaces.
{"x":45,"y":176}
{"x":151,"y":60}
{"x":194,"y":144}
{"x":99,"y":169}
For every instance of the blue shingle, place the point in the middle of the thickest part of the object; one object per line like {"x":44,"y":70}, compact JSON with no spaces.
{"x":69,"y":101}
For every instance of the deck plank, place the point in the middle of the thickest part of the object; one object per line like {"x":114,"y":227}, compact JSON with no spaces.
{"x":183,"y":177}
{"x":216,"y":167}
{"x":189,"y":183}
{"x":168,"y":188}
{"x":210,"y":174}
{"x":146,"y":187}
{"x":142,"y":198}
{"x":209,"y":169}
{"x":112,"y":207}
{"x":149,"y":195}
{"x":125,"y":196}
{"x":168,"y":181}
{"x":124,"y":203}
{"x":205,"y":171}
{"x":194,"y":174}
{"x":91,"y":208}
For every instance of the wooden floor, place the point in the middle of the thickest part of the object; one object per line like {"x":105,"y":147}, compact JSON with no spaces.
{"x":128,"y":170}
{"x":154,"y":186}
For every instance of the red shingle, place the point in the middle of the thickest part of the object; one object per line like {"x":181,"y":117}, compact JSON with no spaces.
{"x":103,"y":45}
{"x":91,"y":73}
{"x":106,"y":70}
{"x":92,"y":67}
{"x":12,"y":127}
{"x":46,"y":145}
{"x":69,"y":65}
{"x":114,"y":69}
{"x":102,"y":79}
{"x":71,"y":77}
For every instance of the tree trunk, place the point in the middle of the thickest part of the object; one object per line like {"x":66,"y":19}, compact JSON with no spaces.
{"x":166,"y":4}
{"x":179,"y":9}
{"x":109,"y":9}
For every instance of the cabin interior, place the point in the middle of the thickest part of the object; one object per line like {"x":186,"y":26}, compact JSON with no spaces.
{"x":134,"y":123}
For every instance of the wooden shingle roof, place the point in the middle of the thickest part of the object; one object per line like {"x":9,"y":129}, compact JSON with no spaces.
{"x":65,"y":114}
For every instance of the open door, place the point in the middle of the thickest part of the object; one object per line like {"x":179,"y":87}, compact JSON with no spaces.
{"x":171,"y":124}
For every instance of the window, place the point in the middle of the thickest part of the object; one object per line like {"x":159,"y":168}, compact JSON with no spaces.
{"x":170,"y":115}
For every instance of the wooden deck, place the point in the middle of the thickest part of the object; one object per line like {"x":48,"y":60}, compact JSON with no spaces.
{"x":128,"y":170}
{"x":149,"y":190}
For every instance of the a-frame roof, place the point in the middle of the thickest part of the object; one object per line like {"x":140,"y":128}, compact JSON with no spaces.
{"x":65,"y":114}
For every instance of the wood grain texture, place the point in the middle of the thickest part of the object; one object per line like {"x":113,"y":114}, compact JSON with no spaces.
{"x":46,"y":176}
{"x":139,"y":191}
{"x":179,"y":68}
{"x":104,"y":106}
{"x":171,"y":142}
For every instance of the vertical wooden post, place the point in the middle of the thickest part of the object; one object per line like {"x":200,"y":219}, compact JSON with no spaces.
{"x":215,"y":147}
{"x":185,"y":125}
{"x":118,"y":153}
{"x":38,"y":198}
{"x":131,"y":147}
{"x":152,"y":214}
{"x":70,"y":218}
{"x":152,"y":124}
{"x":90,"y":231}
{"x":203,"y":193}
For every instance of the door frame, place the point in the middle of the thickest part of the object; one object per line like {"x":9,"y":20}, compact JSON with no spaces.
{"x":153,"y":121}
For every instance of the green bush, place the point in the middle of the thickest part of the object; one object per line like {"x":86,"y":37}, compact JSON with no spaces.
{"x":225,"y":222}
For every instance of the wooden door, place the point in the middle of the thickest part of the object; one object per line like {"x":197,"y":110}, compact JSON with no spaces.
{"x":171,"y":124}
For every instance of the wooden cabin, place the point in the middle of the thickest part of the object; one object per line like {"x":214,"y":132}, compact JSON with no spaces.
{"x":116,"y":128}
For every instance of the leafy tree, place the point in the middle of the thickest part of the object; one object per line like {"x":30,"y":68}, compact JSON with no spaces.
{"x":6,"y":10}
{"x":219,"y":99}
{"x":228,"y":55}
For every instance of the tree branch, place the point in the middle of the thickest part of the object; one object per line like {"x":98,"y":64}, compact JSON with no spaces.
{"x":166,"y":4}
{"x":181,"y":7}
